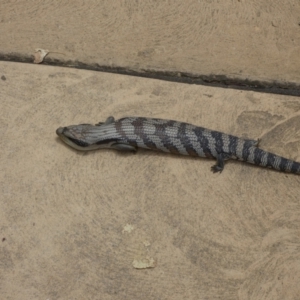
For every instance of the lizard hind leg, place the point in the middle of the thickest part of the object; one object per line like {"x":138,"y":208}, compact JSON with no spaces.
{"x":219,"y":166}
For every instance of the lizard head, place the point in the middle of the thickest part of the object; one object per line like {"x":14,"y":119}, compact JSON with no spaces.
{"x":86,"y":137}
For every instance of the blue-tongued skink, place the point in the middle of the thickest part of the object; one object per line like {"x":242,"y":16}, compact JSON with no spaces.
{"x":128,"y":134}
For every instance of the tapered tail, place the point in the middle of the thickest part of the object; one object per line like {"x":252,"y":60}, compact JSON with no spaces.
{"x":266,"y":159}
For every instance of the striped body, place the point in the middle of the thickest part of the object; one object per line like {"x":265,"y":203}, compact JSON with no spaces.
{"x":130,"y":133}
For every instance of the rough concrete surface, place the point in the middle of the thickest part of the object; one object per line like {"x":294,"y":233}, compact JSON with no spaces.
{"x":106,"y":225}
{"x":258,"y":39}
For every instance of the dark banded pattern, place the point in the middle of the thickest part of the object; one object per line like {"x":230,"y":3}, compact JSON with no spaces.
{"x":170,"y":136}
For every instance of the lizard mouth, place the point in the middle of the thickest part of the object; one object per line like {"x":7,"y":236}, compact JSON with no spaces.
{"x":72,"y":142}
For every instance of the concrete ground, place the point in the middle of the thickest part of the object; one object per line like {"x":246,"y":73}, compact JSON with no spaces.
{"x":107,"y":225}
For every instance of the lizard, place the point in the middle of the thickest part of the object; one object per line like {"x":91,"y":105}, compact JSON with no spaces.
{"x":131,"y":133}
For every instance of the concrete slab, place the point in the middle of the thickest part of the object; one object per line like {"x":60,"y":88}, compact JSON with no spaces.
{"x":80,"y":225}
{"x":257,"y":40}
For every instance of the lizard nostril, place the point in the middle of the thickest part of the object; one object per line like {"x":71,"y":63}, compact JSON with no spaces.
{"x":60,"y":130}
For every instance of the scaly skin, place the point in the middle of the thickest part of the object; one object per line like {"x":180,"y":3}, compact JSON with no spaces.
{"x":128,"y":134}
